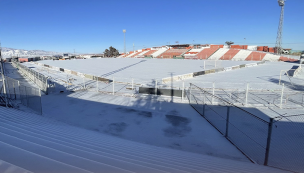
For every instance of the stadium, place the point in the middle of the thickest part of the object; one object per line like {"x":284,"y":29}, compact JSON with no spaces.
{"x":170,"y":108}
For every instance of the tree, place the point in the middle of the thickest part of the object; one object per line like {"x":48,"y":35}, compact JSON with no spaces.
{"x":111,"y":52}
{"x":229,"y":43}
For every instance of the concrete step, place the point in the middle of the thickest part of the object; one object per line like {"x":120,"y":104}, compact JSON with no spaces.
{"x":88,"y":151}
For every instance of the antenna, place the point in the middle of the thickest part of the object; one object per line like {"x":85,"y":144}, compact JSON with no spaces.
{"x":280,"y":29}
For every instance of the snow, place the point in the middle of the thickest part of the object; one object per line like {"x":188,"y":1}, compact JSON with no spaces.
{"x":54,"y":146}
{"x":141,"y":119}
{"x":144,"y":69}
{"x":6,"y":167}
{"x":9,"y":52}
{"x":144,"y":118}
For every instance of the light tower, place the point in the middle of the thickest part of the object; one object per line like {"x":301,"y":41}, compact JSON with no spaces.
{"x":280,"y":30}
{"x":124,"y":31}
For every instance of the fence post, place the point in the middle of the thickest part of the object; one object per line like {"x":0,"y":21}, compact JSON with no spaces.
{"x":246,"y":97}
{"x":97,"y":83}
{"x":46,"y":86}
{"x":14,"y":90}
{"x":227,"y":122}
{"x":183,"y":90}
{"x":204,"y":106}
{"x":212,"y":93}
{"x":282,"y":93}
{"x":190,"y":94}
{"x":26,"y":96}
{"x":155,"y":87}
{"x":84,"y":86}
{"x":40,"y":101}
{"x":132,"y":83}
{"x":4,"y":82}
{"x":268,"y":141}
{"x":280,"y":77}
{"x":113,"y":86}
{"x":19,"y":90}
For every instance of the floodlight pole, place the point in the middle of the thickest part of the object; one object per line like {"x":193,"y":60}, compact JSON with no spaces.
{"x":280,"y":29}
{"x":124,"y":31}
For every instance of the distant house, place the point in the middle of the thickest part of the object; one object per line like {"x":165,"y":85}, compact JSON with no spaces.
{"x":28,"y":59}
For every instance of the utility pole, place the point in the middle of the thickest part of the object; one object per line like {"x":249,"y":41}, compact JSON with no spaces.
{"x":3,"y":77}
{"x":278,"y":47}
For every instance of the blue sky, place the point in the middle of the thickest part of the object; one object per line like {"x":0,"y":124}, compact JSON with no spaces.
{"x":91,"y":26}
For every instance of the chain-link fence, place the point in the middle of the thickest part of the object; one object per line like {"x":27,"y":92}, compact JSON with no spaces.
{"x":17,"y":93}
{"x":264,"y":140}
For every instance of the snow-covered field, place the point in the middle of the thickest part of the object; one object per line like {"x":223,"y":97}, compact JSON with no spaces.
{"x":152,"y":119}
{"x":139,"y":69}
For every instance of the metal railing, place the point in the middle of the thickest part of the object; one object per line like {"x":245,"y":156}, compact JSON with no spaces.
{"x":272,"y":141}
{"x":39,"y":79}
{"x":17,"y":93}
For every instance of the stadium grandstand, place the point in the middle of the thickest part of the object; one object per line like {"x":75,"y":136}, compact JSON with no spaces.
{"x":209,"y":52}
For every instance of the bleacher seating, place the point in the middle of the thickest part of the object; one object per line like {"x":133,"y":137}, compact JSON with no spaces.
{"x":158,"y":52}
{"x":283,"y":58}
{"x":137,"y":53}
{"x":127,"y":54}
{"x":121,"y":56}
{"x":172,"y":52}
{"x":218,"y":54}
{"x":149,"y":53}
{"x":229,"y":54}
{"x":131,"y":54}
{"x":206,"y":53}
{"x":38,"y":144}
{"x":255,"y":56}
{"x":271,"y":57}
{"x":141,"y":54}
{"x":192,"y":53}
{"x":241,"y":55}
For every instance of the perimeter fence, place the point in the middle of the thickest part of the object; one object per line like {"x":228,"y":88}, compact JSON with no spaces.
{"x":276,"y":142}
{"x":16,"y":93}
{"x":252,"y":94}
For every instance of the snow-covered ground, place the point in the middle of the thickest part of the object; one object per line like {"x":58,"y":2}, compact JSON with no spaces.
{"x":39,"y":144}
{"x":265,"y":76}
{"x":141,"y":69}
{"x":144,"y":118}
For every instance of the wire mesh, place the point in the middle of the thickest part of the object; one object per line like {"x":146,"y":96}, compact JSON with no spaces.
{"x":246,"y":131}
{"x":18,"y":93}
{"x":287,"y":141}
{"x":279,"y":144}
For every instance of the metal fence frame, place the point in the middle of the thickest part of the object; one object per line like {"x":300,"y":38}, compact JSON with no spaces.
{"x":39,"y":79}
{"x":255,"y":136}
{"x":16,"y":93}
